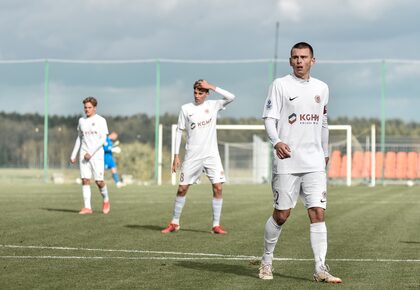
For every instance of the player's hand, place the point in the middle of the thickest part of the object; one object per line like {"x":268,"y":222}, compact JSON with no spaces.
{"x":282,"y":150}
{"x":116,"y":150}
{"x":87,"y":156}
{"x":206,"y":85}
{"x":176,"y":163}
{"x":72,"y":161}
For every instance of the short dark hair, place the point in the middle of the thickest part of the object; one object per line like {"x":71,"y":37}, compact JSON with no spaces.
{"x":301,"y":45}
{"x":91,"y":100}
{"x":197,"y":85}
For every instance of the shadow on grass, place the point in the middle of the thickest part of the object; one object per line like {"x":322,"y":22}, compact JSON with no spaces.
{"x":61,"y":210}
{"x":240,"y":270}
{"x":159,"y":228}
{"x":410,"y":242}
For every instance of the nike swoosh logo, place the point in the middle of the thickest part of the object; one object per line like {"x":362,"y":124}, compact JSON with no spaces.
{"x":291,"y":99}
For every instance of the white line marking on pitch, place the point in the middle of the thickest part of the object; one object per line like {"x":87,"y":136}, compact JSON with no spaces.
{"x":198,"y":256}
{"x":125,"y":251}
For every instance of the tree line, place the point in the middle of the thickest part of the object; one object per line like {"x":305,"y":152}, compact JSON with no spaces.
{"x":22,"y":139}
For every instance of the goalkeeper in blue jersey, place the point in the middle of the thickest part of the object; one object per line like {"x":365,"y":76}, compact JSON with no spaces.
{"x":110,"y":147}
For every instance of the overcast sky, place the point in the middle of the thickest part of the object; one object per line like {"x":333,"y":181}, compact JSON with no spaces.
{"x":206,"y":30}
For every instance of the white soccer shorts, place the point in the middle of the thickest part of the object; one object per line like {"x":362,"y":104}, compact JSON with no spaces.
{"x":95,"y":168}
{"x":311,"y":187}
{"x":192,"y":169}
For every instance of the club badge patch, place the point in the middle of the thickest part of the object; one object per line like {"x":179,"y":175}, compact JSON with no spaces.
{"x":269,"y":105}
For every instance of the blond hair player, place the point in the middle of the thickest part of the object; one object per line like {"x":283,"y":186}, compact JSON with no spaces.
{"x":92,"y":131}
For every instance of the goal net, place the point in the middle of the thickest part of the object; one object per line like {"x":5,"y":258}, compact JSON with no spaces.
{"x":248,"y":161}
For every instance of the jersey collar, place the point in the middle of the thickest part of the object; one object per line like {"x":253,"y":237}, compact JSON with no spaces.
{"x":302,"y":81}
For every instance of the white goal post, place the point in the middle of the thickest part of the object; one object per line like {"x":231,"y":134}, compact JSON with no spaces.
{"x":347,"y":128}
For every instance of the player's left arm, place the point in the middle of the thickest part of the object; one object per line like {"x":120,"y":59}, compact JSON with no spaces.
{"x":325,"y":133}
{"x":228,"y":97}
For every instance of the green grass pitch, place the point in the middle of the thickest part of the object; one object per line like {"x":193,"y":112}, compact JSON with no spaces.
{"x":374,"y":239}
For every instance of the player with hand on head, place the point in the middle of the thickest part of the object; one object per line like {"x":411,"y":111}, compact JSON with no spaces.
{"x":92,"y":131}
{"x":295,"y":118}
{"x":110,"y":147}
{"x":198,"y":120}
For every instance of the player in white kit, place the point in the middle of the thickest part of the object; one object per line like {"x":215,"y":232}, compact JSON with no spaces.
{"x":295,"y":118}
{"x":92,"y":131}
{"x":198,"y":120}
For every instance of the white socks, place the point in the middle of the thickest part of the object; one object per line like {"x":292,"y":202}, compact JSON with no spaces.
{"x":86,"y":196}
{"x":271,"y":236}
{"x":318,"y":236}
{"x":179,"y":205}
{"x":104,"y":193}
{"x":217,"y":211}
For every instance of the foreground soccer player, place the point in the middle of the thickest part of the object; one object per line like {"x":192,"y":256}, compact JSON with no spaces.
{"x":295,"y":118}
{"x":198,"y":119}
{"x":92,"y":131}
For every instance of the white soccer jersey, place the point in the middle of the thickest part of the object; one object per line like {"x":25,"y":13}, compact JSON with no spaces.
{"x":299,"y":107}
{"x":92,"y":134}
{"x":199,"y":122}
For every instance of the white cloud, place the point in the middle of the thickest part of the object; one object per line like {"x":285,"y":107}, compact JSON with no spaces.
{"x":216,"y":29}
{"x":290,"y":10}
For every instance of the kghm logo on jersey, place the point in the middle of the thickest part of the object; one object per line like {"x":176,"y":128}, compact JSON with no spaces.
{"x":192,"y":126}
{"x":204,"y":123}
{"x":317,"y":99}
{"x":269,"y":105}
{"x":89,"y":133}
{"x":308,"y":118}
{"x":292,"y":118}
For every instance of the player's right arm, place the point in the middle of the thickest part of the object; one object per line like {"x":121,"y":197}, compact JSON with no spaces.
{"x":178,"y":137}
{"x":271,"y":116}
{"x":77,"y":144}
{"x":176,"y":163}
{"x":75,"y":150}
{"x":282,"y":149}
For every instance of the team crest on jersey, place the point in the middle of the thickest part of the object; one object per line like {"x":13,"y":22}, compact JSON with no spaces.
{"x":206,"y":111}
{"x":269,"y":105}
{"x":317,"y":99}
{"x":192,"y":126}
{"x":292,"y":118}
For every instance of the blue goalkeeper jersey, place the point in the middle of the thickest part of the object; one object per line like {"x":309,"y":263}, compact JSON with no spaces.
{"x":109,"y":161}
